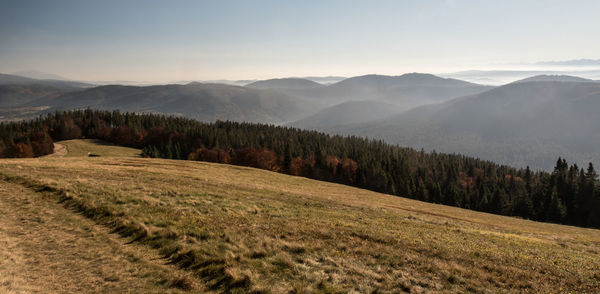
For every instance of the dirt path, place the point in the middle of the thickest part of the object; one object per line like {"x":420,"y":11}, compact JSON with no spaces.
{"x":45,"y":248}
{"x":59,"y":151}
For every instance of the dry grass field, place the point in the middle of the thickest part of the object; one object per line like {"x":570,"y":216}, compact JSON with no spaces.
{"x":221,"y":228}
{"x":81,"y":147}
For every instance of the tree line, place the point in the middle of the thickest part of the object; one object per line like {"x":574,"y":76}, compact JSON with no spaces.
{"x":568,"y":195}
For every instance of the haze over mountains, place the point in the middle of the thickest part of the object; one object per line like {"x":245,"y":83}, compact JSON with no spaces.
{"x":18,"y":93}
{"x":20,"y":80}
{"x":405,"y":91}
{"x":205,"y":102}
{"x":285,"y":83}
{"x":271,"y":101}
{"x":530,"y":122}
{"x":527,"y":122}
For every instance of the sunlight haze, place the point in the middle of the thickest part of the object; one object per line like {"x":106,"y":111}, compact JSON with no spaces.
{"x":157,"y":41}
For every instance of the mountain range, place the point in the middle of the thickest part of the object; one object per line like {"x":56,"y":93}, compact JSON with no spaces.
{"x":204,"y":102}
{"x":405,"y":91}
{"x":527,"y":122}
{"x":270,"y":101}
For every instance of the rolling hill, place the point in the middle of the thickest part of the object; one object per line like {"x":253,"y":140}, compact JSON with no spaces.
{"x":223,"y":228}
{"x":346,"y":113}
{"x":18,"y":91}
{"x":12,"y":96}
{"x":270,"y":101}
{"x":406,"y":91}
{"x":205,"y":102}
{"x":285,"y":83}
{"x":554,"y":78}
{"x":18,"y":95}
{"x":526,"y":123}
{"x":6,"y":79}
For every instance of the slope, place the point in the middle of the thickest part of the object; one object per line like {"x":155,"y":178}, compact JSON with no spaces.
{"x":406,"y":91}
{"x":73,"y":254}
{"x":18,"y":95}
{"x":519,"y":124}
{"x":82,"y":147}
{"x":14,"y":96}
{"x":265,"y":231}
{"x":285,"y":83}
{"x":206,"y":102}
{"x":554,"y":78}
{"x":352,"y":112}
{"x":20,"y":80}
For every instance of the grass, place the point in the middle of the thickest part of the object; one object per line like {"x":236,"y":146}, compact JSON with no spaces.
{"x":81,"y":147}
{"x":238,"y":230}
{"x":47,"y":249}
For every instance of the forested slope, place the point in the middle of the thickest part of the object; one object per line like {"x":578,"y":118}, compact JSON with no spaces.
{"x":567,"y":195}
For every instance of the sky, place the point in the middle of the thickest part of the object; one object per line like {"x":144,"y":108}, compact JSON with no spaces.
{"x":157,"y":41}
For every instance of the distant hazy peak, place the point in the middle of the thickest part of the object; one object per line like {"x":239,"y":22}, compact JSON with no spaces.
{"x":553,"y":78}
{"x":36,"y":74}
{"x":284,"y":83}
{"x":6,"y":79}
{"x":408,"y":78}
{"x":574,"y":62}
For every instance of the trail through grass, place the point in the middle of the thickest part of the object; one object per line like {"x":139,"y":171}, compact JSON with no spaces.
{"x":45,"y":248}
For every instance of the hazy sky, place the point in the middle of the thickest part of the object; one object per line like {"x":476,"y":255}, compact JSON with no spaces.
{"x":194,"y":40}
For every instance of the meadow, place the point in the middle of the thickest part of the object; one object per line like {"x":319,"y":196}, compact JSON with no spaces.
{"x":223,"y":228}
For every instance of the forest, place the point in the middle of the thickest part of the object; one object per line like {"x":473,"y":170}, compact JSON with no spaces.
{"x":568,"y":195}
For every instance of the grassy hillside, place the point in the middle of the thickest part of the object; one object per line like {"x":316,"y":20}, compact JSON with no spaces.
{"x":73,"y":254}
{"x":241,"y":229}
{"x":81,"y":147}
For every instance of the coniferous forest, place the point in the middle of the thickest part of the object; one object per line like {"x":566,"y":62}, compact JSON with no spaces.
{"x":568,"y":195}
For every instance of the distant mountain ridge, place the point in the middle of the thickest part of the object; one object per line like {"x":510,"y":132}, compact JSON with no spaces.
{"x":351,"y":112}
{"x":284,"y":83}
{"x":6,"y":79}
{"x":554,"y":78}
{"x":20,"y":95}
{"x":273,"y":101}
{"x":205,"y":102}
{"x":405,"y":91}
{"x":573,"y":62}
{"x":527,"y":123}
{"x":36,"y":74}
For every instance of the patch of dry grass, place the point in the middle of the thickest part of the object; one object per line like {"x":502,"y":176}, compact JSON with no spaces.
{"x":81,"y":147}
{"x":45,"y":248}
{"x":239,"y":229}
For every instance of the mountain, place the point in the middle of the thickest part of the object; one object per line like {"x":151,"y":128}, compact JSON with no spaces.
{"x":226,"y":82}
{"x":352,"y":112}
{"x":36,"y":74}
{"x":574,"y":62}
{"x":205,"y":102}
{"x":325,"y":80}
{"x":405,"y":91}
{"x":501,"y":77}
{"x":525,"y":123}
{"x":20,"y":80}
{"x":285,"y":83}
{"x":15,"y":80}
{"x":20,"y":95}
{"x":554,"y":78}
{"x":365,"y":98}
